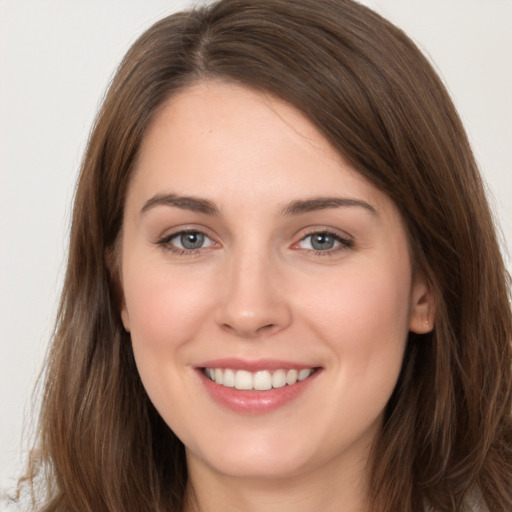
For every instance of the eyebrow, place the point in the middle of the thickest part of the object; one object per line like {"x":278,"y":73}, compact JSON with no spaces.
{"x":296,"y":207}
{"x":194,"y":204}
{"x":323,"y":203}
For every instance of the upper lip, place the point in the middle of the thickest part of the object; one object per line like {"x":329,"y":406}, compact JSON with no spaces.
{"x":253,"y":365}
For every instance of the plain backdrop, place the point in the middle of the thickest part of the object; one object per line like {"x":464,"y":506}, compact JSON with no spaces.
{"x":56,"y":60}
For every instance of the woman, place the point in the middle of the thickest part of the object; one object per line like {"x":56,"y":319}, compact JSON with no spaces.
{"x":284,"y":287}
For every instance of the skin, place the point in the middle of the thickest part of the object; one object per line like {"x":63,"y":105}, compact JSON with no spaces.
{"x":256,"y":289}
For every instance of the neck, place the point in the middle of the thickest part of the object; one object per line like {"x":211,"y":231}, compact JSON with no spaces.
{"x":330,"y":488}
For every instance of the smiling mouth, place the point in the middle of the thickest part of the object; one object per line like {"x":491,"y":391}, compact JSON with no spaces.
{"x":262,"y":380}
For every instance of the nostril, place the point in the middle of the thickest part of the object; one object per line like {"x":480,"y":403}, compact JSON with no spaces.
{"x":248,"y":331}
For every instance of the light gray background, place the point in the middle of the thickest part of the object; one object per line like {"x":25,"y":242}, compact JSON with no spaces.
{"x":56,"y":59}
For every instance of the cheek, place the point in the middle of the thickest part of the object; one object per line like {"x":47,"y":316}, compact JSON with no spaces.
{"x":363,"y":300}
{"x":377,"y":311}
{"x":369,"y":334}
{"x":166,"y":311}
{"x":363,"y":317}
{"x":164,"y":308}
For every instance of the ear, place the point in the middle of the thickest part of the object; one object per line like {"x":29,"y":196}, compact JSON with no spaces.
{"x":125,"y":317}
{"x":112,"y":263}
{"x":422,"y":315}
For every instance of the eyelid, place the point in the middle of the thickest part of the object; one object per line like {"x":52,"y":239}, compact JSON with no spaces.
{"x":345,"y":240}
{"x":164,"y":241}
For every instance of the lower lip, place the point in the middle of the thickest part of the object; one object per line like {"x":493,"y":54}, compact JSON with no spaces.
{"x":255,"y":402}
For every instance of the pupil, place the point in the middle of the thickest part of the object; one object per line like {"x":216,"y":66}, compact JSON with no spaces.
{"x":192,"y":240}
{"x":322,"y":242}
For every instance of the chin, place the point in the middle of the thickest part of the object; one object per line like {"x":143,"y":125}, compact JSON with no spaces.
{"x":261,"y":465}
{"x":269,"y":455}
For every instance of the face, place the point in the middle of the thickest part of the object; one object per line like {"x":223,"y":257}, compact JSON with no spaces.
{"x":267,"y":287}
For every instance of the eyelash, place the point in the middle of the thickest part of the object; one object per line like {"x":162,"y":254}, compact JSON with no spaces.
{"x":344,"y":243}
{"x":165,"y":243}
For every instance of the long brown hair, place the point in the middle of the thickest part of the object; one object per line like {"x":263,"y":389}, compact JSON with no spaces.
{"x":448,"y":427}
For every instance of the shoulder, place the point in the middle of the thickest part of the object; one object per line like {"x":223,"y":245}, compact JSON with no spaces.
{"x":473,"y":503}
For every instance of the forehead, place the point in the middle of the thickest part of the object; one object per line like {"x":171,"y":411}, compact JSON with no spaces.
{"x":221,"y":116}
{"x":233,"y":144}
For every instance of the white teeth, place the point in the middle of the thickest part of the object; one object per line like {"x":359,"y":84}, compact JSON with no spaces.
{"x":303,"y":374}
{"x":228,"y":379}
{"x":262,"y":380}
{"x":291,"y":377}
{"x":243,"y":379}
{"x":279,"y":379}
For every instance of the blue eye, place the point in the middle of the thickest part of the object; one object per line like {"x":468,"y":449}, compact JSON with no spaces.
{"x":186,"y":241}
{"x":191,"y":240}
{"x":324,"y":242}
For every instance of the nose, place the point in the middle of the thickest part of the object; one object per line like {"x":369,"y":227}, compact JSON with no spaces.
{"x":252,"y":301}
